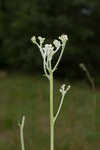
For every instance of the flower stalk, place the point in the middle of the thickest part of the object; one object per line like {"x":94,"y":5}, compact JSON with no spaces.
{"x":51,"y":113}
{"x":47,"y":51}
{"x":21,"y":125}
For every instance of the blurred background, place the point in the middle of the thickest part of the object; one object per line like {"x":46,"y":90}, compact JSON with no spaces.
{"x":24,"y":90}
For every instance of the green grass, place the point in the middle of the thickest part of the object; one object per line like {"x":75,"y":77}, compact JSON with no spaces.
{"x":77,"y":127}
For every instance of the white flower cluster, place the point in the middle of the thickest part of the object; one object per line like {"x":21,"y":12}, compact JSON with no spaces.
{"x":64,"y":90}
{"x":48,"y":50}
{"x":63,"y":38}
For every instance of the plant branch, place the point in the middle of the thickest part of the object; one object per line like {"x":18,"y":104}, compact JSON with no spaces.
{"x":21,"y":133}
{"x":59,"y":108}
{"x":60,"y":56}
{"x":44,"y":64}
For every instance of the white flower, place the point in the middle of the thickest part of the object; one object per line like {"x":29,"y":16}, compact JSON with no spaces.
{"x":57,"y":43}
{"x":63,"y":90}
{"x":33,"y":39}
{"x":63,"y":38}
{"x":41,"y":40}
{"x":68,"y":87}
{"x":48,"y":51}
{"x":48,"y":46}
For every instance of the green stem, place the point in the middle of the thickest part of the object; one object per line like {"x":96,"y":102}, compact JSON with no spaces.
{"x":21,"y":133}
{"x":59,"y":108}
{"x":55,"y":67}
{"x":51,"y":113}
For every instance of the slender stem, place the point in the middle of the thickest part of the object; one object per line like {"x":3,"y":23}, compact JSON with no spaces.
{"x":51,"y":113}
{"x":21,"y":133}
{"x":88,"y":76}
{"x":56,"y":65}
{"x":59,"y":108}
{"x":44,"y":66}
{"x":90,"y":79}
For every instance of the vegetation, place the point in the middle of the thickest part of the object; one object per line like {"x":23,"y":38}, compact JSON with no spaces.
{"x":78,"y":125}
{"x":25,"y":95}
{"x":48,"y":51}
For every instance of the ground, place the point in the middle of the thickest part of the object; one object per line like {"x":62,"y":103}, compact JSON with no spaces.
{"x":78,"y":124}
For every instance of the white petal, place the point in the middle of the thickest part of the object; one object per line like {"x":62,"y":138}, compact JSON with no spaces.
{"x":68,"y":87}
{"x":41,"y":39}
{"x":33,"y":39}
{"x":56,"y":43}
{"x":63,"y":38}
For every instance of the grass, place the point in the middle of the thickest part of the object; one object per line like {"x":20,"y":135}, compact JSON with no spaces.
{"x":77,"y":127}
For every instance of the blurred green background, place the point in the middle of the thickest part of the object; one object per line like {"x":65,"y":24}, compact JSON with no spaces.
{"x":78,"y":124}
{"x":23,"y":89}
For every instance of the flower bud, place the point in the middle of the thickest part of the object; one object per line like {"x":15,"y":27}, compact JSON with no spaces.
{"x":41,"y":39}
{"x":63,"y":90}
{"x":63,"y":38}
{"x":33,"y":39}
{"x":56,"y":43}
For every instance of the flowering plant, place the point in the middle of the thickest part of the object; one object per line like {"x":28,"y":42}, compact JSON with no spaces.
{"x":48,"y":51}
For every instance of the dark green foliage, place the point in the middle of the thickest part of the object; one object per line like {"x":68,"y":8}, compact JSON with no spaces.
{"x":20,"y":20}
